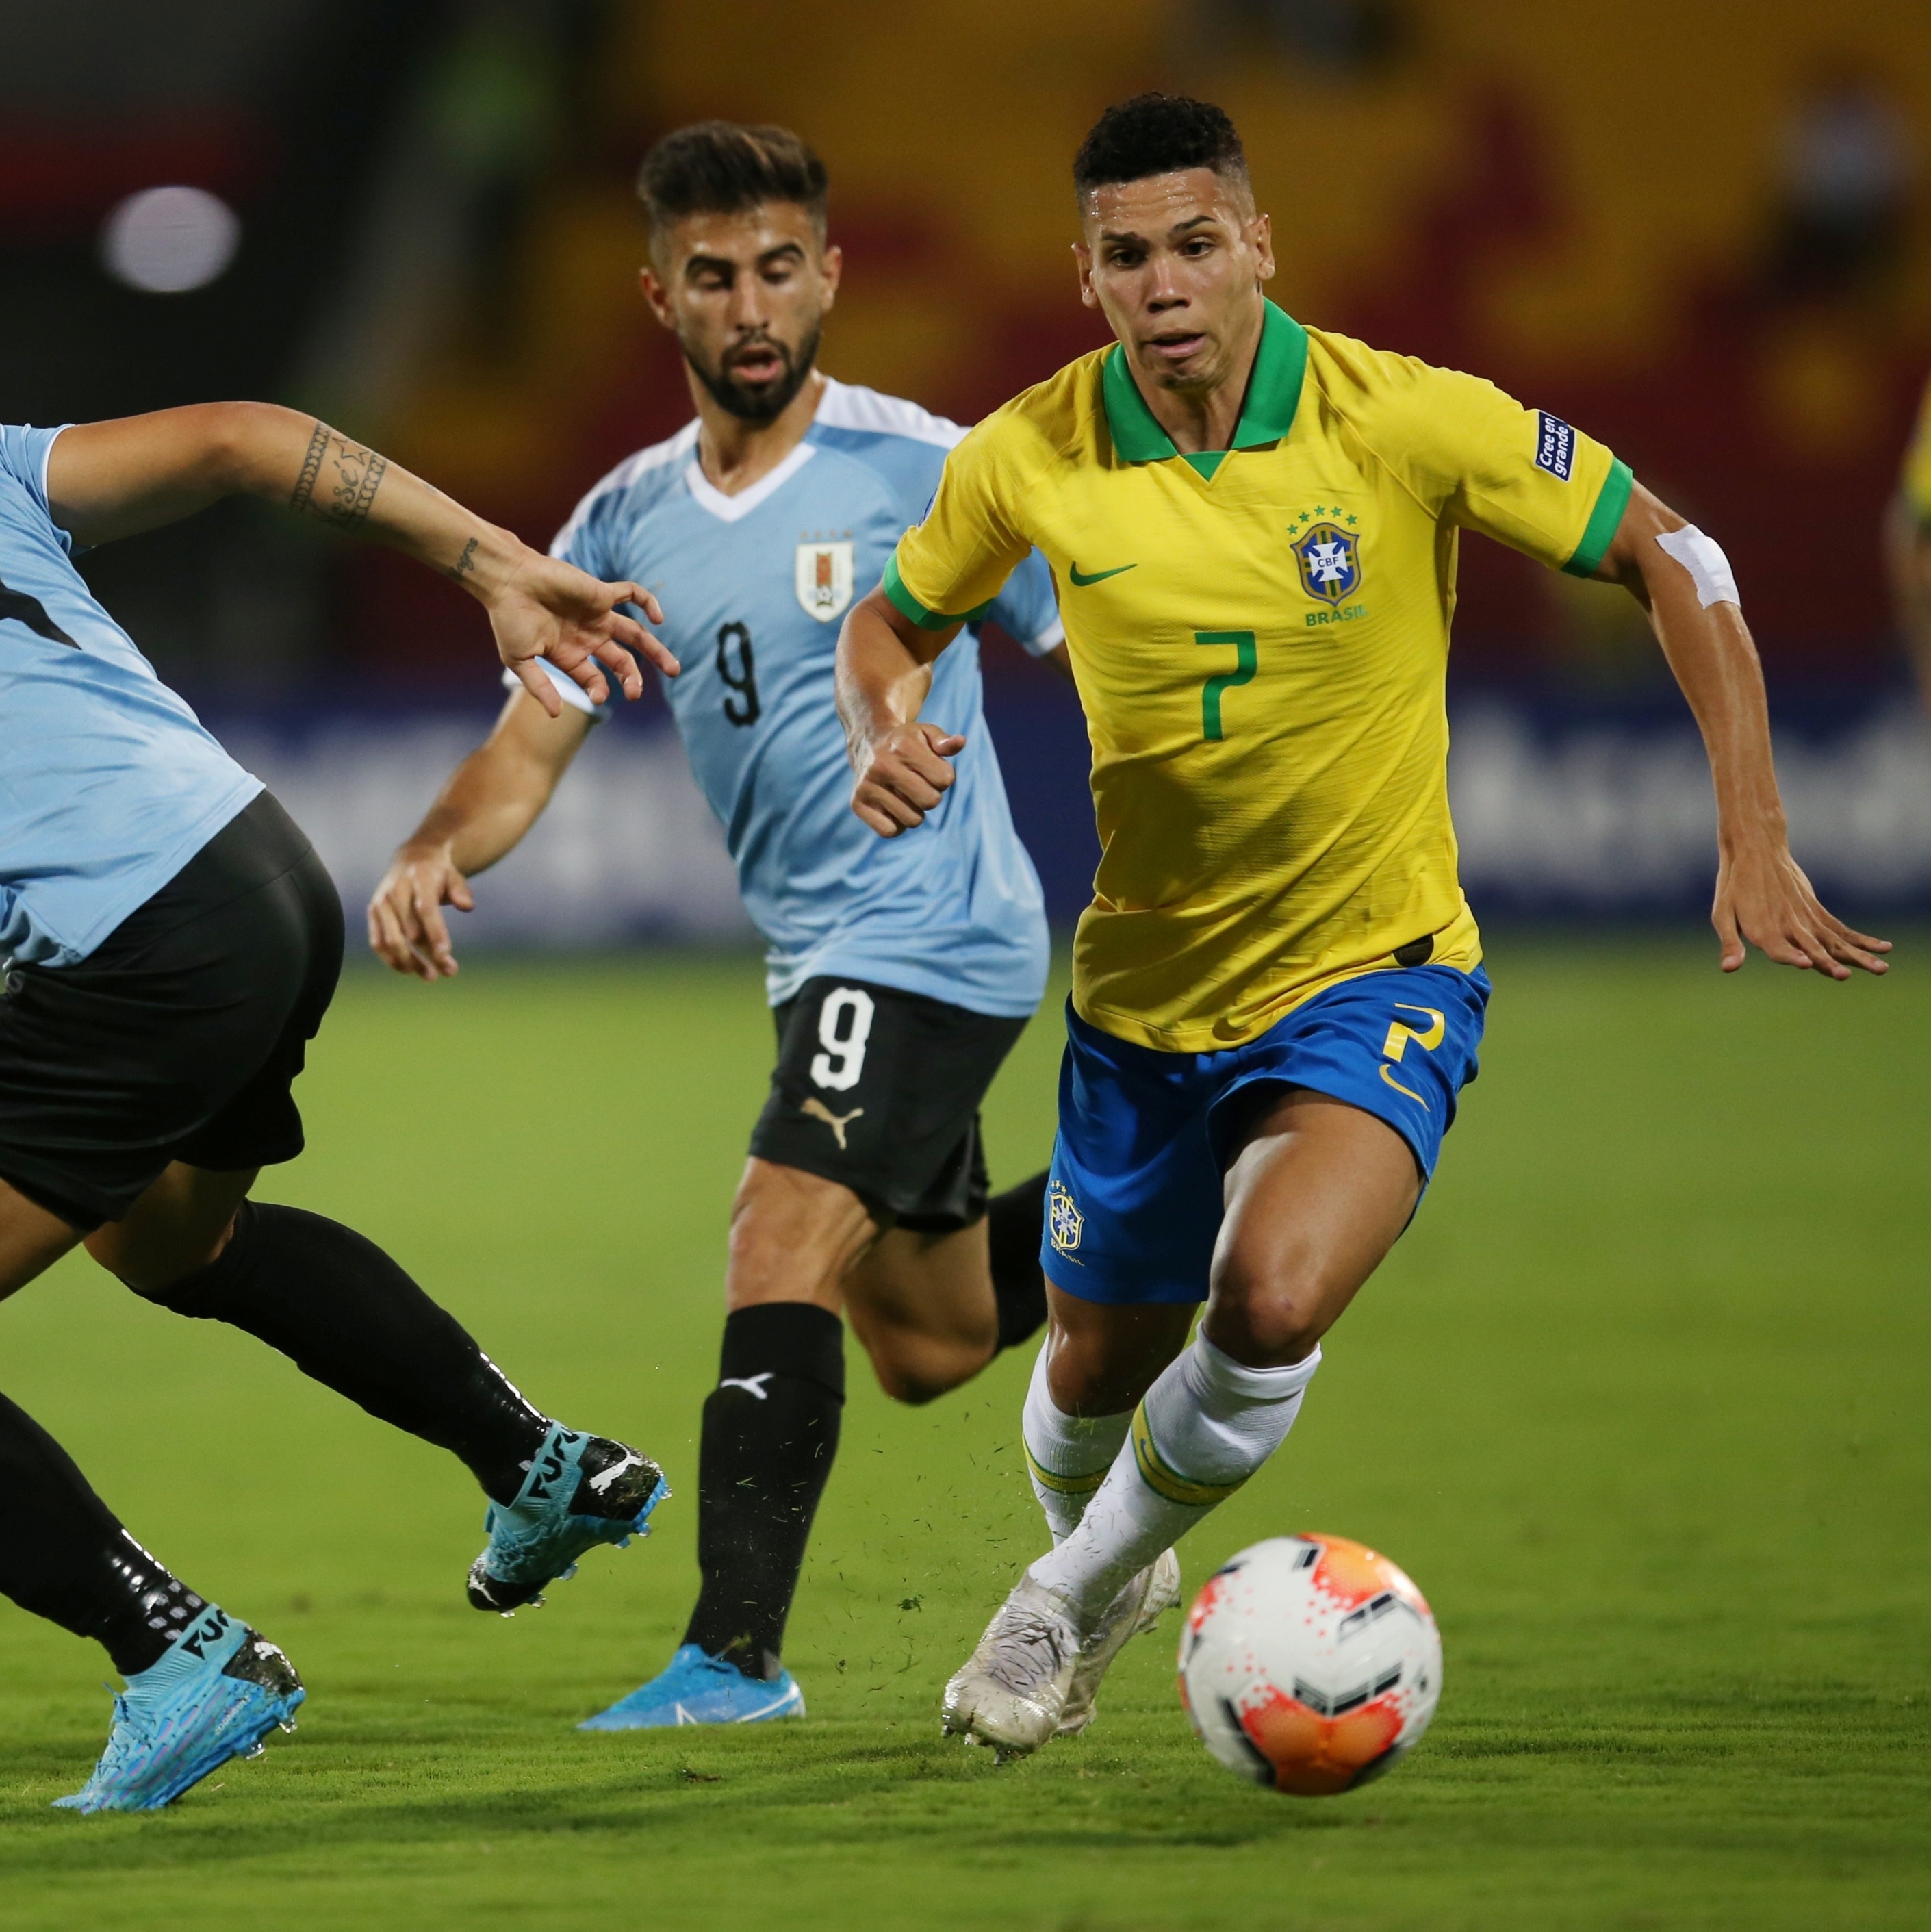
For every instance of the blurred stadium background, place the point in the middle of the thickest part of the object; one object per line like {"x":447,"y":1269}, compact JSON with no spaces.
{"x":1711,"y":249}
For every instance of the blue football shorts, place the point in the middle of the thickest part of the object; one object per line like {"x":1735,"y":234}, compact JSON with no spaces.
{"x":1135,"y":1202}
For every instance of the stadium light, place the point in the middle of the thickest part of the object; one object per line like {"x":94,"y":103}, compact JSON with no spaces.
{"x":168,"y":240}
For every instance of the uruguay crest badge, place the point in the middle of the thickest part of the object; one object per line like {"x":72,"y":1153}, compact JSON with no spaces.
{"x":1330,"y":563}
{"x":825,"y":578}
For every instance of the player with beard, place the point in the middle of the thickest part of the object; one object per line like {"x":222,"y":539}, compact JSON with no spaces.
{"x":168,"y":944}
{"x":900,"y":976}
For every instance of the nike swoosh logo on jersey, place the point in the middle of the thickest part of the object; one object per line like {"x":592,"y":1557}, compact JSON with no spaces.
{"x":1098,"y":576}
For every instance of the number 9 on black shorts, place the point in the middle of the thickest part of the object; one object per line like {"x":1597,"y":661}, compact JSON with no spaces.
{"x":879,"y":1091}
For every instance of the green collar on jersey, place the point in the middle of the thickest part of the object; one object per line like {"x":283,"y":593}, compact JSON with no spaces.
{"x":1273,"y":396}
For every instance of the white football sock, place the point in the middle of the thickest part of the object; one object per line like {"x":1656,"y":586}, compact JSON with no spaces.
{"x":1206,"y":1426}
{"x":1067,"y":1456}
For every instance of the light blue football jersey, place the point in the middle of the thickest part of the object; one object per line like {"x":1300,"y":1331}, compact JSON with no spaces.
{"x":753,"y":587}
{"x":108,"y":784}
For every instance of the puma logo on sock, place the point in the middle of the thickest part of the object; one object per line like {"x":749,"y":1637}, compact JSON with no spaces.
{"x":754,"y":1384}
{"x":837,"y":1123}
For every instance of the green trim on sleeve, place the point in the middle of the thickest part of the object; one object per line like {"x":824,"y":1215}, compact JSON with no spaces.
{"x":1611,"y":503}
{"x":909,"y":606}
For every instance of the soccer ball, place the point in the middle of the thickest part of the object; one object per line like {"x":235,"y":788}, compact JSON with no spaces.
{"x":1309,"y":1664}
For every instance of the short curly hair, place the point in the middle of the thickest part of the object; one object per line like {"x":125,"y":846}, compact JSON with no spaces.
{"x":1158,"y":134}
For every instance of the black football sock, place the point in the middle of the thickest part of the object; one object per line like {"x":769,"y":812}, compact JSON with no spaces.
{"x":771,"y":1429}
{"x":1015,"y":1222}
{"x":64,"y":1556}
{"x":344,"y":1313}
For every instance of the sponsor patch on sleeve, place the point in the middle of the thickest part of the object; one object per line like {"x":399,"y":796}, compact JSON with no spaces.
{"x":1555,"y":445}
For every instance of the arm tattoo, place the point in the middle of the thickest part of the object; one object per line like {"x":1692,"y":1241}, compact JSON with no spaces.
{"x":305,"y":483}
{"x":357,"y":475}
{"x":466,"y":563}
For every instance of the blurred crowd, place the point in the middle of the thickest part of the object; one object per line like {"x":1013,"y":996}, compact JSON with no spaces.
{"x":1705,"y":242}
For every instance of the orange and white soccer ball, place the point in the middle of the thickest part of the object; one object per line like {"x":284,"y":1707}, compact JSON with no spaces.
{"x":1310,"y":1664}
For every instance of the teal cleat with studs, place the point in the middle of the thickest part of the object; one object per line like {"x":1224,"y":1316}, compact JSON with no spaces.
{"x":698,"y":1689}
{"x":215,"y":1694}
{"x":581,"y":1490}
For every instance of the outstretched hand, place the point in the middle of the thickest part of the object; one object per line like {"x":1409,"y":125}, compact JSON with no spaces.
{"x":407,"y":928}
{"x":549,"y":609}
{"x":905,"y":775}
{"x":1764,"y":898}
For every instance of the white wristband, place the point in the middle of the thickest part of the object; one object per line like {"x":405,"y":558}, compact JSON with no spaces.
{"x":572,"y":693}
{"x":1709,"y":569}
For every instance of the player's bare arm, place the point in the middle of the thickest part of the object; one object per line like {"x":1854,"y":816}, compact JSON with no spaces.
{"x":113,"y":479}
{"x":885,"y":672}
{"x":492,"y":800}
{"x":1763,"y":898}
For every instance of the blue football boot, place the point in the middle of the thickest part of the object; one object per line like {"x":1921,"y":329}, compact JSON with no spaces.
{"x":217,"y":1691}
{"x":698,"y":1689}
{"x":581,"y":1490}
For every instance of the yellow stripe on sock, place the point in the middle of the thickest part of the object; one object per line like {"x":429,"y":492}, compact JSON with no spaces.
{"x":1062,"y":1486}
{"x":1164,"y":1480}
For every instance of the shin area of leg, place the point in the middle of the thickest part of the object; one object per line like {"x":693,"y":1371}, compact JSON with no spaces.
{"x":1097,"y":1361}
{"x":64,"y":1556}
{"x":770,"y":1431}
{"x":1206,"y":1426}
{"x":770,"y":1436}
{"x":1067,"y":1456}
{"x":348,"y":1316}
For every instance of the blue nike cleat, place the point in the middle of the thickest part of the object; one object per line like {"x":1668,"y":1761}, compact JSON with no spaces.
{"x":218,"y":1690}
{"x":581,"y":1490}
{"x":698,"y":1689}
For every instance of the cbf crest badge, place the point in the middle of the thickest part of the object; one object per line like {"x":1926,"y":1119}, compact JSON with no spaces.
{"x":1330,"y":563}
{"x":825,"y":578}
{"x":1064,"y":1222}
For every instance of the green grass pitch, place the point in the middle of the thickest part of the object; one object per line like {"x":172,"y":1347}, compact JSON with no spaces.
{"x":1640,"y":1403}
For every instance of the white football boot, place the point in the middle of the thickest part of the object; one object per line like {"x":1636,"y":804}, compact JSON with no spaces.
{"x":1133,"y":1612}
{"x":1014,"y":1686}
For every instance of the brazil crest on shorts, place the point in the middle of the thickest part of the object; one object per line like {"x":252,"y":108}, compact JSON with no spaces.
{"x":1064,"y":1221}
{"x":1330,"y":563}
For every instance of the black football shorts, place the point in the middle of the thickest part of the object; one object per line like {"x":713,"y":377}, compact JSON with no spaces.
{"x":879,"y":1091}
{"x":179,"y":1037}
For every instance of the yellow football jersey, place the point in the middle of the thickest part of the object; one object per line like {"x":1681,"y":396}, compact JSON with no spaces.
{"x":1916,"y":482}
{"x":1260,"y":638}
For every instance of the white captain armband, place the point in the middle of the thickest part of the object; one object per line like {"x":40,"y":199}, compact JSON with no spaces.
{"x":1709,"y":569}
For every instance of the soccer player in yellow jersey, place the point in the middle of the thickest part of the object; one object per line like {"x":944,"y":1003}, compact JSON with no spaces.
{"x":1277,"y":990}
{"x":1908,"y":546}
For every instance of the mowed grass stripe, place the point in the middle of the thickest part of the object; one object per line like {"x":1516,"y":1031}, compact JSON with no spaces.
{"x":1638,"y":1402}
